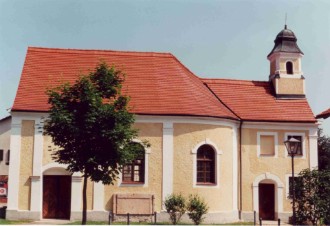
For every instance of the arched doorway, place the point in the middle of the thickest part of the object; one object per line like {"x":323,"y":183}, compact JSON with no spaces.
{"x":268,"y":196}
{"x":56,"y":193}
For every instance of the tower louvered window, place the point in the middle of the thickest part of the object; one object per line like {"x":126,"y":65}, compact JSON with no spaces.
{"x":289,"y":68}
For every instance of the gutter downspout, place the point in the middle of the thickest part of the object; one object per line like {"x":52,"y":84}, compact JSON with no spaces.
{"x":240,"y":170}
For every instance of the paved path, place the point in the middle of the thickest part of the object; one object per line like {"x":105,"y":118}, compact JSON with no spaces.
{"x":274,"y":223}
{"x":49,"y":222}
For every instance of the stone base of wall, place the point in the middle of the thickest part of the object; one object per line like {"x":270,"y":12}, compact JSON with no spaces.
{"x":210,"y":218}
{"x":284,"y":216}
{"x":22,"y":215}
{"x":249,"y":216}
{"x":91,"y":216}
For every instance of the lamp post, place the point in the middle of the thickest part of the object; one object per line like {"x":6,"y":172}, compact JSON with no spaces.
{"x":292,"y":146}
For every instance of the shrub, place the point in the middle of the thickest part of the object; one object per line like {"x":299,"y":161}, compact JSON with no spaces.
{"x":197,"y":208}
{"x":175,"y":206}
{"x":312,"y":193}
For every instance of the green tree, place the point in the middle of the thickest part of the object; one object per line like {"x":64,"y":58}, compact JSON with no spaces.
{"x":90,"y":123}
{"x":323,"y":150}
{"x":312,"y":193}
{"x":197,"y":208}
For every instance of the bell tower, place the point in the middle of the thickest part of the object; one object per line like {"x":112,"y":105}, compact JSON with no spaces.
{"x":285,"y":66}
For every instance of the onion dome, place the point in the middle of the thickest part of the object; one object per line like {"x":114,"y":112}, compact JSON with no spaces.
{"x":286,"y":42}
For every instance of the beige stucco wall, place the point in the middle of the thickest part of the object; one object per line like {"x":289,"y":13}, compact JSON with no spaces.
{"x":273,"y":67}
{"x":280,"y":166}
{"x":186,"y":137}
{"x":290,"y":86}
{"x":153,"y":133}
{"x":27,"y":143}
{"x":48,"y":146}
{"x":5,"y":125}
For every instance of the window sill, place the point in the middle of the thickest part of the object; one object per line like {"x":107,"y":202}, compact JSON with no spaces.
{"x":132,"y":184}
{"x":296,"y":156}
{"x":206,"y":184}
{"x":267,"y":155}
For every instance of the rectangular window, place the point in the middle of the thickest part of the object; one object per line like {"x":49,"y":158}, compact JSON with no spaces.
{"x":300,"y":148}
{"x":8,"y":157}
{"x":1,"y":154}
{"x":134,"y":172}
{"x":267,"y":145}
{"x":297,"y":183}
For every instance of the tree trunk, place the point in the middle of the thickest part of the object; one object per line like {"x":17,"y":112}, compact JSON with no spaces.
{"x":84,"y":217}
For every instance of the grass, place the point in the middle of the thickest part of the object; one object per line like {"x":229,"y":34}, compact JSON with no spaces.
{"x":4,"y":221}
{"x":148,"y":223}
{"x":8,"y":222}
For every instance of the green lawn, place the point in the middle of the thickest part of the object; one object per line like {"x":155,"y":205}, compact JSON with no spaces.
{"x":148,"y":223}
{"x":3,"y":221}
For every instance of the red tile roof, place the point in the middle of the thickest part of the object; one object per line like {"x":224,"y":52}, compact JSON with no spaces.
{"x":255,"y":101}
{"x":325,"y":114}
{"x":157,"y":83}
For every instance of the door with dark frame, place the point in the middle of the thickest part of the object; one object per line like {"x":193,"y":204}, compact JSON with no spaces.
{"x":267,"y":201}
{"x":56,"y":197}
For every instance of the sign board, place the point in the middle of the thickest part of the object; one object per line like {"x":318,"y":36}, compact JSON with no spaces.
{"x":137,"y":204}
{"x":3,"y":191}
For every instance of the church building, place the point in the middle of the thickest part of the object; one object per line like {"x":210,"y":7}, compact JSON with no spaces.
{"x":219,"y":138}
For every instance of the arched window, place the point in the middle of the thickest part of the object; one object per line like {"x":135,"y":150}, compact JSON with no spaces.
{"x":205,"y":165}
{"x":134,"y":172}
{"x":289,"y":68}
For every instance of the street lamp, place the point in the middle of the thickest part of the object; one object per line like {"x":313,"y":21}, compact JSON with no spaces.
{"x":292,"y":146}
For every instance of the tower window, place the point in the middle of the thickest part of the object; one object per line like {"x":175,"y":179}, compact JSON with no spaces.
{"x":289,"y":68}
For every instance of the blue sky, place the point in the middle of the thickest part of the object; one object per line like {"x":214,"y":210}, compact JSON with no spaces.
{"x":219,"y":39}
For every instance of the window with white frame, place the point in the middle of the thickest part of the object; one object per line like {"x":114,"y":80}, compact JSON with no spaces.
{"x":289,"y":181}
{"x":301,"y":138}
{"x":267,"y":144}
{"x":134,"y":172}
{"x":206,"y":164}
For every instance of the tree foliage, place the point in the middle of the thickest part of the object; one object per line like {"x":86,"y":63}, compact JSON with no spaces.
{"x":196,"y":209}
{"x":312,"y":193}
{"x":175,"y":205}
{"x":323,"y":150}
{"x":90,"y":123}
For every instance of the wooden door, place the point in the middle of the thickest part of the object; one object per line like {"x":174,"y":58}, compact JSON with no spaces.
{"x":56,"y":197}
{"x":267,"y":201}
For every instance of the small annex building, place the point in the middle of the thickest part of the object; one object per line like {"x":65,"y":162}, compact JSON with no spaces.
{"x":219,"y":138}
{"x":5,"y":125}
{"x":324,"y":114}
